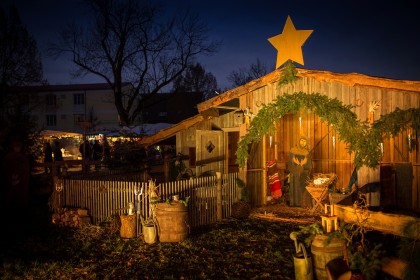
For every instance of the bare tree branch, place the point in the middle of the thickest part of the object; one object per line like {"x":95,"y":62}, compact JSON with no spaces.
{"x":135,"y":43}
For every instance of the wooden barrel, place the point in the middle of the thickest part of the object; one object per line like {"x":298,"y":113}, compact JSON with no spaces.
{"x":128,"y":226}
{"x":324,"y":250}
{"x":172,"y":221}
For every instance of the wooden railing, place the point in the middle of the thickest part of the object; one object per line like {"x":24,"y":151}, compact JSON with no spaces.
{"x":107,"y":198}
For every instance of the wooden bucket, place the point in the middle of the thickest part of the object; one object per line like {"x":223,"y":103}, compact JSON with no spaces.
{"x":128,"y":226}
{"x":172,"y":221}
{"x":323,"y":251}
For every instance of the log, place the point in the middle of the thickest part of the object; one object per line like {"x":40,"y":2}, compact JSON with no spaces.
{"x":128,"y":226}
{"x":383,"y":222}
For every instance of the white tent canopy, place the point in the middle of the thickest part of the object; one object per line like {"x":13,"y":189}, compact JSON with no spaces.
{"x":57,"y":133}
{"x":139,"y":130}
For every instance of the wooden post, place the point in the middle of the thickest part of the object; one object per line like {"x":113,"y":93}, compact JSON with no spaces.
{"x":219,"y":196}
{"x":166,"y":163}
{"x":264,"y":171}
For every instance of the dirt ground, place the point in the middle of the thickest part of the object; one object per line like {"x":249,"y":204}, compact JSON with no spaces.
{"x":285,"y":213}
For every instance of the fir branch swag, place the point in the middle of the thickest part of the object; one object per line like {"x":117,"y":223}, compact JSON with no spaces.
{"x":340,"y":116}
{"x":360,"y":137}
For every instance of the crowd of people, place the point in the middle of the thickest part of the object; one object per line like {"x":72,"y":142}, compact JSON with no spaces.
{"x":95,"y":152}
{"x":91,"y":152}
{"x":52,"y":154}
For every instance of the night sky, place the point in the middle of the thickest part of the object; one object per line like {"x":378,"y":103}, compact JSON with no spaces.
{"x":377,"y":38}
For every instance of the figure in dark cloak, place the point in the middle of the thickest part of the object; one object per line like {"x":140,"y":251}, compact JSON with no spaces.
{"x":299,"y":166}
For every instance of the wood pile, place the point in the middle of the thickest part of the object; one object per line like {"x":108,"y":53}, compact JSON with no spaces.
{"x":75,"y":217}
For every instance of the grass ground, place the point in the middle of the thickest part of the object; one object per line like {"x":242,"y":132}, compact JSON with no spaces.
{"x":258,"y":247}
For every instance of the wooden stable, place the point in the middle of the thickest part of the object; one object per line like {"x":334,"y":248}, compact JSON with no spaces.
{"x":210,"y":139}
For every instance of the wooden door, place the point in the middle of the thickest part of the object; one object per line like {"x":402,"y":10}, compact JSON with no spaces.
{"x":210,"y":152}
{"x":232,"y":146}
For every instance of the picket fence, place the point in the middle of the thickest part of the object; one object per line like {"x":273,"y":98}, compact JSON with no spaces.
{"x":105,"y":199}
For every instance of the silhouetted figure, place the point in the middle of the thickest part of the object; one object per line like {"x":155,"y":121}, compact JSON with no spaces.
{"x":107,"y":151}
{"x":58,"y":155}
{"x":48,"y":157}
{"x":86,"y":150}
{"x":97,"y":153}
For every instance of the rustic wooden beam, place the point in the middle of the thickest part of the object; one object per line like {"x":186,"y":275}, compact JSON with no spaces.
{"x":384,"y":222}
{"x":171,"y":131}
{"x":351,"y":79}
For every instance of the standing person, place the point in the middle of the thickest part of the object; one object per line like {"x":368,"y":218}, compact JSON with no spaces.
{"x":87,"y":153}
{"x":15,"y":194}
{"x":299,"y":166}
{"x":97,"y":153}
{"x":86,"y":150}
{"x":107,"y":150}
{"x":58,"y":155}
{"x":48,"y":158}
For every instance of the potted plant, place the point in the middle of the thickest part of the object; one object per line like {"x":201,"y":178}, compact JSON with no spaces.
{"x":365,"y":258}
{"x":365,"y":261}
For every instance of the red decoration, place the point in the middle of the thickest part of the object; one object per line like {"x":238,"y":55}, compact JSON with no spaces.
{"x":274,"y":180}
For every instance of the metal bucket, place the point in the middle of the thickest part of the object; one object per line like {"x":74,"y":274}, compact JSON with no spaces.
{"x":149,"y":234}
{"x":303,"y":265}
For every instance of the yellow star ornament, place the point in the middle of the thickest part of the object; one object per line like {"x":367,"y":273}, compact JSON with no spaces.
{"x":289,"y":43}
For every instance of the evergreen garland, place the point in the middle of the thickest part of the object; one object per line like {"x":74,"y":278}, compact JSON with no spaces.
{"x":399,"y":120}
{"x":359,"y":136}
{"x":289,"y":73}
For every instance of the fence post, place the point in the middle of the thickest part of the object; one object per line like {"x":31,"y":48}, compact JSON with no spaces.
{"x":219,"y":196}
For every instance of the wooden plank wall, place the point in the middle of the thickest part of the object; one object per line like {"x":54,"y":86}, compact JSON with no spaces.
{"x":328,"y":153}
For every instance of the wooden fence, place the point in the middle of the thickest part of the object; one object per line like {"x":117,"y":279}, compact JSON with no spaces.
{"x":107,"y":198}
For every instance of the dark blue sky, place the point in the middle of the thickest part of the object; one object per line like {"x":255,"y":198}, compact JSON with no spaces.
{"x":377,"y":38}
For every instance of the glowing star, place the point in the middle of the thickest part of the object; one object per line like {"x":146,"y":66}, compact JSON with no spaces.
{"x":289,"y":43}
